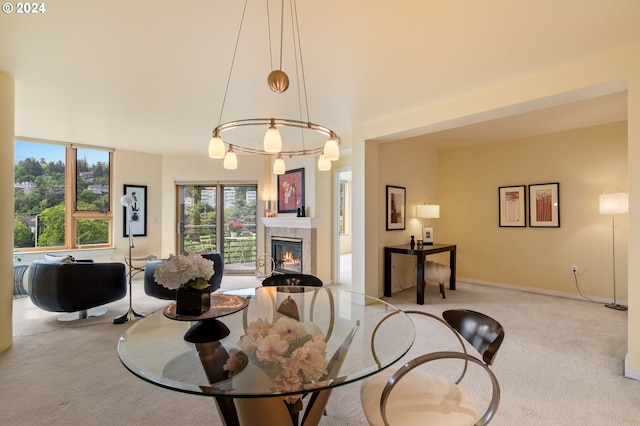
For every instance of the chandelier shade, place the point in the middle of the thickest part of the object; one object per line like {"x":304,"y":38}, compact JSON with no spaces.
{"x":231,"y":159}
{"x":217,"y":148}
{"x":295,"y":144}
{"x":278,"y":165}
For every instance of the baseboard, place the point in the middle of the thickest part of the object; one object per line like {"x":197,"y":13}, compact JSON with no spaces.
{"x":629,"y":372}
{"x":537,"y":290}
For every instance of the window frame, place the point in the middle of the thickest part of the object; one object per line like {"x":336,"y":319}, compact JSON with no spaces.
{"x":71,"y":214}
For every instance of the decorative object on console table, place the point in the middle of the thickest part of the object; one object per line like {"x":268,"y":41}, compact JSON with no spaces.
{"x":427,"y":212}
{"x":190,"y":276}
{"x":291,"y":191}
{"x":413,"y":242}
{"x":396,"y":207}
{"x":512,"y":203}
{"x":544,"y":205}
{"x":614,"y":203}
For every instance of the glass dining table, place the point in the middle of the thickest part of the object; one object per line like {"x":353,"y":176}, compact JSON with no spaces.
{"x":268,"y":355}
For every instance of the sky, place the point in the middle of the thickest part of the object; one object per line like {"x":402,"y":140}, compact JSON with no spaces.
{"x":52,"y":152}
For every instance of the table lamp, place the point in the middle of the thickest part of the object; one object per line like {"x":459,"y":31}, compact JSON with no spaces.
{"x":427,"y":212}
{"x":614,"y":203}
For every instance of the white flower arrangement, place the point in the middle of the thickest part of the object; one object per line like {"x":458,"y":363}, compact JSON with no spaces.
{"x":293,"y":358}
{"x":190,"y":271}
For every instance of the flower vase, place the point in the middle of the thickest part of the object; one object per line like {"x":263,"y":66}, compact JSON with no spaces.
{"x":234,"y":233}
{"x":193,"y":302}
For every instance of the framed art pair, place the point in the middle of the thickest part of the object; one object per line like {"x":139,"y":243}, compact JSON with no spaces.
{"x":542,"y":208}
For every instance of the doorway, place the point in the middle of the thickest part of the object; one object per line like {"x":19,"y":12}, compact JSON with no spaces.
{"x":219,"y":218}
{"x":342,"y":225}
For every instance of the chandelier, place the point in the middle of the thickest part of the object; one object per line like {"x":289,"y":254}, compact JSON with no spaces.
{"x":222,"y":146}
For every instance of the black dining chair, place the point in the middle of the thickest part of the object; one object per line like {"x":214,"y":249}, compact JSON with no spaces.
{"x":292,"y":279}
{"x":410,"y":396}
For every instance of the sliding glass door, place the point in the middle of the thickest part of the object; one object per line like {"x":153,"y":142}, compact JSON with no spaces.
{"x":219,"y":218}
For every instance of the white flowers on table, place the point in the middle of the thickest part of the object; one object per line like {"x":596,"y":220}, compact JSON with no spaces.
{"x":184,"y":271}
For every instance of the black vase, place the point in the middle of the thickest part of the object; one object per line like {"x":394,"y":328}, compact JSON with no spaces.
{"x":412,"y":243}
{"x":193,"y":302}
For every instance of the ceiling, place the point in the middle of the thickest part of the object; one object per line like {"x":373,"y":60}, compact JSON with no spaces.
{"x":150,"y":76}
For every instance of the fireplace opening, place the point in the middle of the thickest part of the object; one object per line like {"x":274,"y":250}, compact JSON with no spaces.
{"x":287,"y":254}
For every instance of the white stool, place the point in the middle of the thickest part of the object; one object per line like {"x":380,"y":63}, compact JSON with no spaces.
{"x":437,"y":272}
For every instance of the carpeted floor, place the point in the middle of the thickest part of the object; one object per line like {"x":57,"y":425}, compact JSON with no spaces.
{"x":561,"y":364}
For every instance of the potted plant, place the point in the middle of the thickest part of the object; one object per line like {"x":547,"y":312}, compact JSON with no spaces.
{"x":234,"y":227}
{"x":189,"y":275}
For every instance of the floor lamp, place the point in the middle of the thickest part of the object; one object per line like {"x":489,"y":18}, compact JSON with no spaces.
{"x":127,"y":201}
{"x":614,"y":203}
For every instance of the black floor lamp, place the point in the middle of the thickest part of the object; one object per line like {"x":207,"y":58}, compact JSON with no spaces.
{"x":127,"y":201}
{"x":614,"y":203}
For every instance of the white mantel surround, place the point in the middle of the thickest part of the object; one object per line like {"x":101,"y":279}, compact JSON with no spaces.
{"x":304,"y":228}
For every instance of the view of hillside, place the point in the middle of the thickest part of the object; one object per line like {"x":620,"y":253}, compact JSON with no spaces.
{"x":39,"y":191}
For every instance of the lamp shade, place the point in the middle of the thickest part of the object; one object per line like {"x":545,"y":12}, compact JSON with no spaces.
{"x":272,"y":140}
{"x":614,"y":203}
{"x":428,"y":211}
{"x":230,"y":160}
{"x":216,"y":148}
{"x":126,"y":200}
{"x":331,"y":151}
{"x":278,"y":166}
{"x":323,"y":163}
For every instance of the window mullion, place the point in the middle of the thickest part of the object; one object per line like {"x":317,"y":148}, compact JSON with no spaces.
{"x":70,"y":199}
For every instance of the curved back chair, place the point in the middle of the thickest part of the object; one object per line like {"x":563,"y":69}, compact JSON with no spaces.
{"x":292,"y":279}
{"x":76,"y":286}
{"x":152,"y":288}
{"x":406,"y":397}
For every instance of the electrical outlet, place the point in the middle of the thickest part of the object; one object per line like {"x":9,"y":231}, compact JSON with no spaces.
{"x":574,"y":269}
{"x":458,"y":258}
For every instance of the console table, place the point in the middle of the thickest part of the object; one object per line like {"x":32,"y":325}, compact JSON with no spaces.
{"x":420,"y":253}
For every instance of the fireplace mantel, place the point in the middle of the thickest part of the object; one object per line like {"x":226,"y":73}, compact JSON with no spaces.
{"x":292,"y":222}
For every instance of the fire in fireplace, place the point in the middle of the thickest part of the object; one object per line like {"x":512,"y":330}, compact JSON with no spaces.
{"x":287,"y":254}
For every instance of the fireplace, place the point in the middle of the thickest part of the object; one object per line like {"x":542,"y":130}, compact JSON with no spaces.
{"x":303,"y":229}
{"x":287,"y":254}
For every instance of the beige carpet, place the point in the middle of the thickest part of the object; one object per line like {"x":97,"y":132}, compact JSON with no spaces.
{"x":561,"y":364}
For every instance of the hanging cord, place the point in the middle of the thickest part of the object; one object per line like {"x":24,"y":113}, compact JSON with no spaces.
{"x":297,"y":45}
{"x":269,"y":35}
{"x":233,"y":60}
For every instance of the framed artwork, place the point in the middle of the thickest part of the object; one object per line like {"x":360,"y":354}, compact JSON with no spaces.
{"x":396,"y":207}
{"x":544,"y":205}
{"x":138,"y":211}
{"x":512,"y":206}
{"x":427,"y":235}
{"x":291,"y":191}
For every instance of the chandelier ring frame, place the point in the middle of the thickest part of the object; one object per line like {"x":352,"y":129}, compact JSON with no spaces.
{"x":277,"y":122}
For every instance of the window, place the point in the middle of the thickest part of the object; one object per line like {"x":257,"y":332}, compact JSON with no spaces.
{"x":219,"y":218}
{"x":62,"y":196}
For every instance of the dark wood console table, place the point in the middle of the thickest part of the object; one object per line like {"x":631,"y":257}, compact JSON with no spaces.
{"x":420,"y":254}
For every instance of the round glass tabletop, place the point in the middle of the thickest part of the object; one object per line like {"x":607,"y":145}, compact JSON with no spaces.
{"x":286,"y":341}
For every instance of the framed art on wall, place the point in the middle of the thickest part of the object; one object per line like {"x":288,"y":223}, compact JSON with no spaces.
{"x":291,"y":191}
{"x":544,"y":205}
{"x":396,"y":207}
{"x":512,"y":206}
{"x":138,"y":211}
